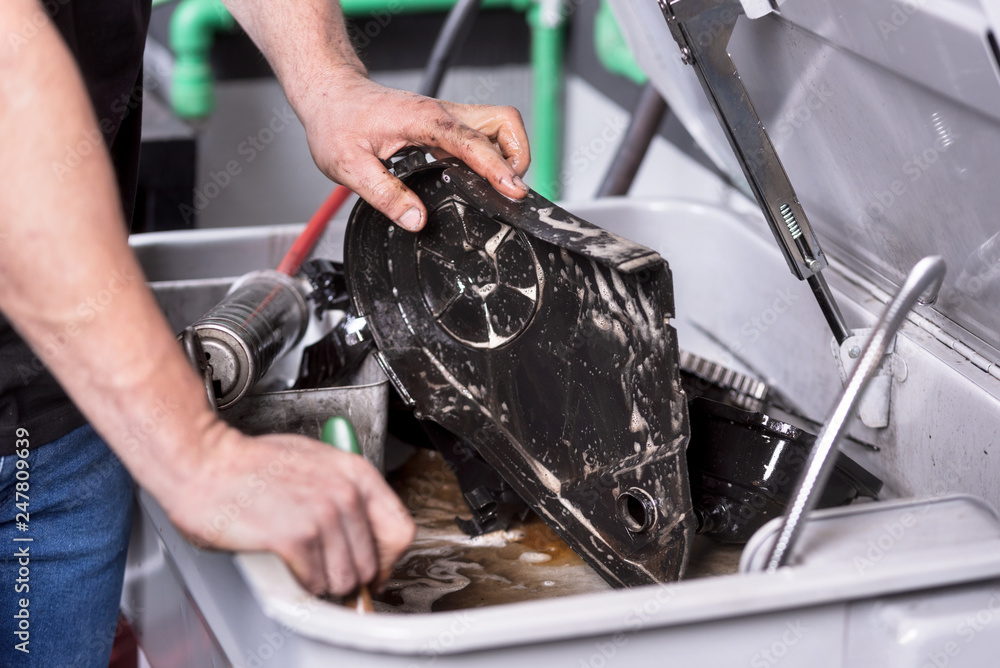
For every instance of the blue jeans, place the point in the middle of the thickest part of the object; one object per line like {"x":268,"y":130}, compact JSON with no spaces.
{"x":60,"y":590}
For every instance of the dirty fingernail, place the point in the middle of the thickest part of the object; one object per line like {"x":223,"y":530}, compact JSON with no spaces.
{"x":410,"y":220}
{"x":519,"y":184}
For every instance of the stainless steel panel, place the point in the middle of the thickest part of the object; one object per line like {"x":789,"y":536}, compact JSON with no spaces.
{"x":889,"y":168}
{"x":886,"y":116}
{"x":364,"y":401}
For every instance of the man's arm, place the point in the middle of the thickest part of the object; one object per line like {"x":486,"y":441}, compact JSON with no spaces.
{"x":62,"y":245}
{"x":352,"y":122}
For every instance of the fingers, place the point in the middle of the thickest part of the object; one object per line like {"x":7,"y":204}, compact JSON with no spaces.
{"x":502,"y":124}
{"x":474,"y":148}
{"x":334,"y":549}
{"x":391,"y":524}
{"x":357,"y":562}
{"x":357,"y":533}
{"x":374,"y":183}
{"x":306,"y":561}
{"x":328,"y":514}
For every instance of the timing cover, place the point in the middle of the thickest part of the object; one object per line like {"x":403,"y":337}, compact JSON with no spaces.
{"x":546,"y":342}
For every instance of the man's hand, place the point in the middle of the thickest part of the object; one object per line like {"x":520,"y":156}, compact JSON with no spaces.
{"x":353,"y":123}
{"x":328,"y":514}
{"x":73,"y":289}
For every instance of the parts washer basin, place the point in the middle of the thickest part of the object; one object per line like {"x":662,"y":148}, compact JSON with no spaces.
{"x":927,"y":566}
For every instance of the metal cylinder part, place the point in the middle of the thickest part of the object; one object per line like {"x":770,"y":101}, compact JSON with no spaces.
{"x":263,"y":316}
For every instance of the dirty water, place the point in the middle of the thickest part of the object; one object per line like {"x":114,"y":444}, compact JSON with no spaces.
{"x":446,"y":570}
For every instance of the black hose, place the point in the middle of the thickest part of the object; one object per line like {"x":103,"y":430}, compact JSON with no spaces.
{"x":449,"y":42}
{"x":645,"y":122}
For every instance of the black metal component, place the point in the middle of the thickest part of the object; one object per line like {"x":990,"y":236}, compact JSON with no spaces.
{"x":492,"y":502}
{"x":449,"y":41}
{"x":545,"y":342}
{"x":828,"y":305}
{"x":333,"y":358}
{"x":744,"y":465}
{"x":702,"y":377}
{"x":329,"y":285}
{"x":646,"y":119}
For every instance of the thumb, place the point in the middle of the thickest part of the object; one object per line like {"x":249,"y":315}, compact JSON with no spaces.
{"x":376,"y":185}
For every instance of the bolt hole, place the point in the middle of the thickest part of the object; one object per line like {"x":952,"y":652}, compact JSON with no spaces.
{"x":636,"y":510}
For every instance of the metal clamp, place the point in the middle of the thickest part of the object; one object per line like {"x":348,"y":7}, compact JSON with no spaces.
{"x":922,"y":284}
{"x":195,"y":352}
{"x":702,"y":29}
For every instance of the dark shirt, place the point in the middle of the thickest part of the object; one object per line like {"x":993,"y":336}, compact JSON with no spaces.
{"x":107,"y":38}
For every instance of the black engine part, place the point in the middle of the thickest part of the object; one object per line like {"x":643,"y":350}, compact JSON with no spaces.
{"x":546,"y":343}
{"x":492,"y":502}
{"x":744,"y":466}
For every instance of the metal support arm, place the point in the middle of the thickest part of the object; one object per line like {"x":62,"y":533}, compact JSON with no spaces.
{"x":924,"y":280}
{"x":702,"y":29}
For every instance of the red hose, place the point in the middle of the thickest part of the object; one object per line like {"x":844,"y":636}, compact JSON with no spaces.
{"x":306,"y":241}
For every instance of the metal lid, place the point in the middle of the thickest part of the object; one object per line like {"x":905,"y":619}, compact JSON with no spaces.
{"x":886,"y":117}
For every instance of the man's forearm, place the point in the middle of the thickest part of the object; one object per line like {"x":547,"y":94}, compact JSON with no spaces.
{"x":71,"y":286}
{"x":68,"y":281}
{"x":353,"y":125}
{"x":305,"y":41}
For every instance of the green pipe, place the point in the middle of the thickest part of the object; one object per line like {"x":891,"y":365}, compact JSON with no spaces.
{"x":547,"y":37}
{"x":361,"y":7}
{"x":195,"y":22}
{"x":611,"y":48}
{"x":192,"y":32}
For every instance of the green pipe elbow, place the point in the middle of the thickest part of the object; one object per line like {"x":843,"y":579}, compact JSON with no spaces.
{"x":192,"y":33}
{"x":355,"y":8}
{"x":611,"y":48}
{"x":547,"y":39}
